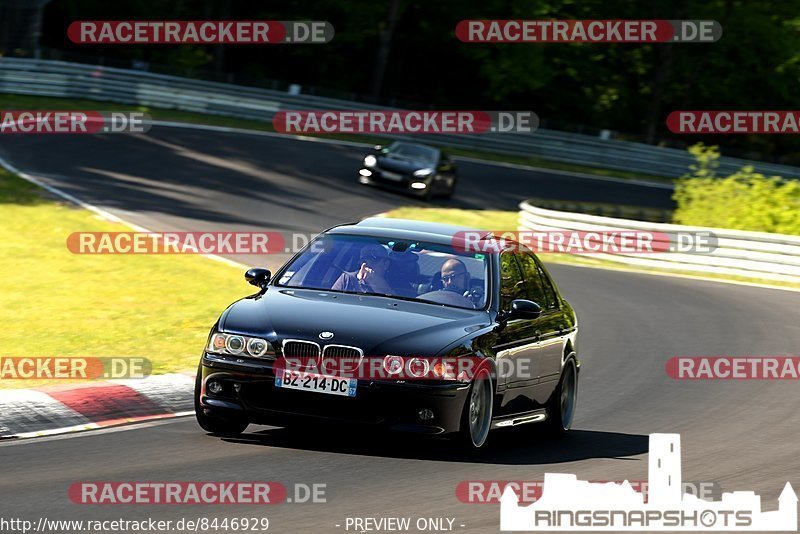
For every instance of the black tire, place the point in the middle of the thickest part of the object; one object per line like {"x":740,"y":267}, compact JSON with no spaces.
{"x":450,"y":191}
{"x":476,"y":416}
{"x":561,"y":408}
{"x":427,"y":195}
{"x":215,"y":425}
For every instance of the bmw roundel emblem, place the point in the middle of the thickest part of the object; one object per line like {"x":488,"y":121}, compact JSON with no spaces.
{"x":325,"y":335}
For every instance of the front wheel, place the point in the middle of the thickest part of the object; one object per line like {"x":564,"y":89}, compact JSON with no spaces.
{"x":562,"y":405}
{"x":214,"y":425}
{"x":450,"y":190}
{"x":476,"y":417}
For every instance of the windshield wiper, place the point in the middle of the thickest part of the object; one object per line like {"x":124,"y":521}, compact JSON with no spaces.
{"x":385,"y":295}
{"x":388,"y":295}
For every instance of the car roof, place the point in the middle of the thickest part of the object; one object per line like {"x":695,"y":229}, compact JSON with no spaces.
{"x":405,"y":229}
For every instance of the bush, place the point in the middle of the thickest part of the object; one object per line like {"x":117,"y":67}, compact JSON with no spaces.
{"x":745,"y":200}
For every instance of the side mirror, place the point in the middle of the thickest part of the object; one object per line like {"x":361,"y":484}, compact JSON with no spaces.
{"x":524,"y":309}
{"x":257,"y":276}
{"x":378,"y":148}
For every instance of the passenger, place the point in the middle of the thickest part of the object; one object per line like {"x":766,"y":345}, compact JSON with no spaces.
{"x":370,"y":276}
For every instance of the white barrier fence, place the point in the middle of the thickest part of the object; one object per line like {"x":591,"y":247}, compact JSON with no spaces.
{"x":737,"y":253}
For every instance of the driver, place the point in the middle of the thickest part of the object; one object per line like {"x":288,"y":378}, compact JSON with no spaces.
{"x":455,"y":276}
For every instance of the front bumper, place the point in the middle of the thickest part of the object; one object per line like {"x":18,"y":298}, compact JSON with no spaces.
{"x":376,"y":178}
{"x":249,"y":394}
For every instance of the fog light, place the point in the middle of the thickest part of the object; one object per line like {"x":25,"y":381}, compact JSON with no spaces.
{"x":425,"y":414}
{"x":214,"y":387}
{"x":418,"y":185}
{"x":365,"y":172}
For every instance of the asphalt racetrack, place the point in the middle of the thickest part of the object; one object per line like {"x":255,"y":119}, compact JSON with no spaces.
{"x":739,"y":435}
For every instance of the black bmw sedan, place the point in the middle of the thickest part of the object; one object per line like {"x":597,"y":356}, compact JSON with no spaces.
{"x":420,"y":170}
{"x":391,"y":323}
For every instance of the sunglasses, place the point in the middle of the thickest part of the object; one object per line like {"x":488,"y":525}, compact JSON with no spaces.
{"x":451,"y":277}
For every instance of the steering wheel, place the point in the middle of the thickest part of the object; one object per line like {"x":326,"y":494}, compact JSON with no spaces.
{"x":447,"y":297}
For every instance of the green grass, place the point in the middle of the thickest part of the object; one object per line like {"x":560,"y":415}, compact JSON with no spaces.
{"x":509,"y":221}
{"x":56,"y":303}
{"x":11,"y":101}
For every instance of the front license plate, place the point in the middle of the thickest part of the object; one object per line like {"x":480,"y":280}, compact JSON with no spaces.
{"x":332,"y":385}
{"x":392,"y":176}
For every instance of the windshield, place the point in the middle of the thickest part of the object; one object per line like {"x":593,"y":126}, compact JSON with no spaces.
{"x":413,"y":270}
{"x":413,"y":152}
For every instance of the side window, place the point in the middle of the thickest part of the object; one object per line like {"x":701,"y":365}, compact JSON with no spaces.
{"x":533,"y":281}
{"x":547,"y":286}
{"x":512,"y":285}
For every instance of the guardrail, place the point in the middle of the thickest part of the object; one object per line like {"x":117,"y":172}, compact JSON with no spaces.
{"x":604,"y":209}
{"x":124,"y":86}
{"x":759,"y":255}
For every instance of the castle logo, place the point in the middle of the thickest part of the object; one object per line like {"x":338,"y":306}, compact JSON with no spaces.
{"x":569,"y":504}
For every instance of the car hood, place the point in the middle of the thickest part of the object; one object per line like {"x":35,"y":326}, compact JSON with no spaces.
{"x":403,"y":166}
{"x":377,"y":325}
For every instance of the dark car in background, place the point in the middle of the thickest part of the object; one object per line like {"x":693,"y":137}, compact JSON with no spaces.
{"x":403,"y":295}
{"x":414,"y":168}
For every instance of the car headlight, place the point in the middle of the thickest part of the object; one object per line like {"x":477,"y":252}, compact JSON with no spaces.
{"x":370,"y":161}
{"x":393,"y":364}
{"x":235,"y":344}
{"x":423,"y":172}
{"x":418,"y":367}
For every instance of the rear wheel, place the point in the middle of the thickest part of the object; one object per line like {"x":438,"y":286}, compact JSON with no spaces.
{"x":214,"y":425}
{"x":562,"y":405}
{"x":476,"y":417}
